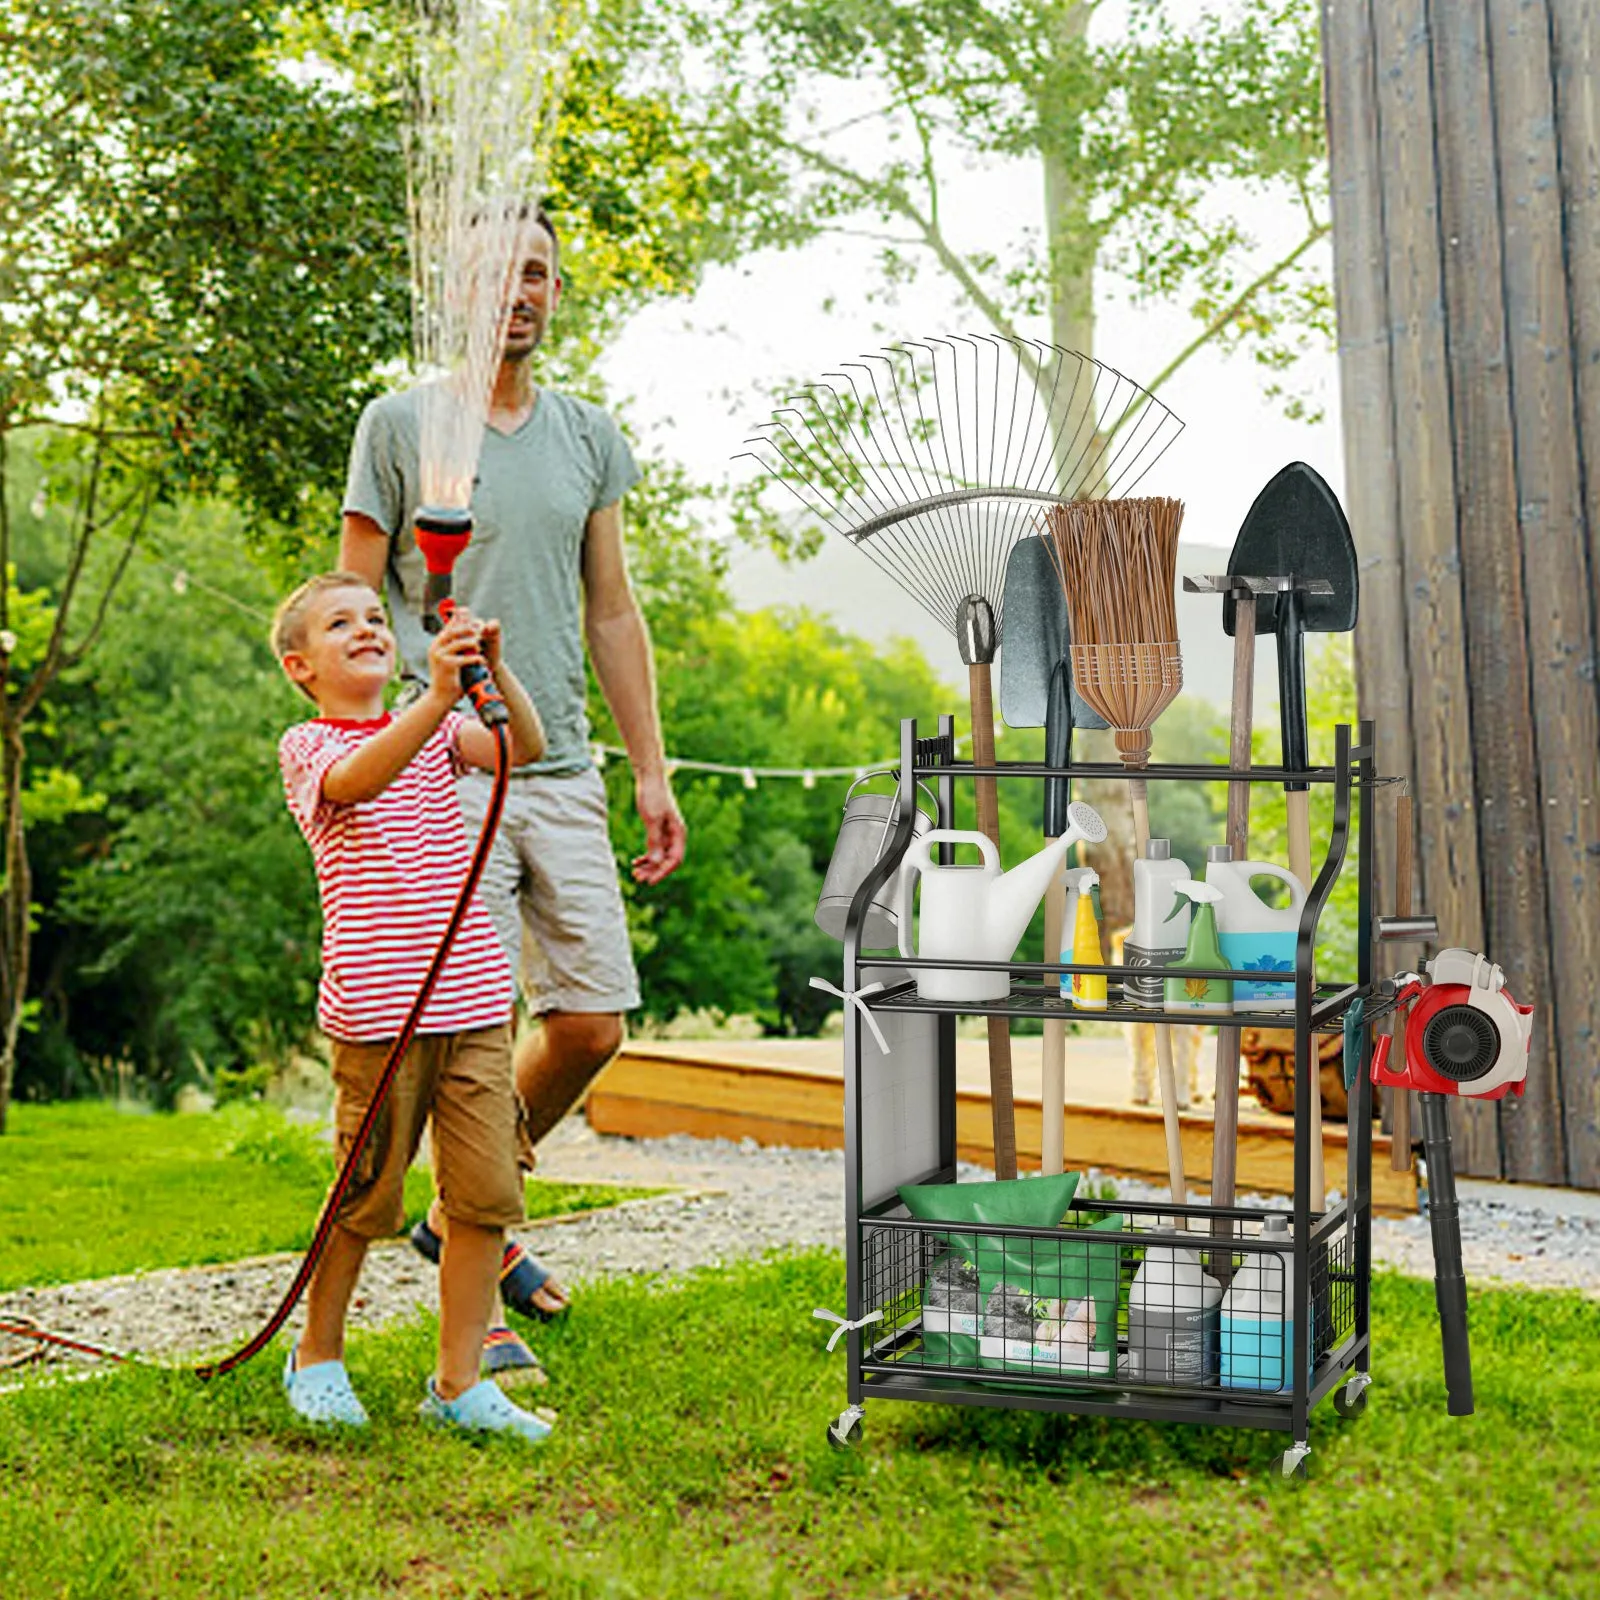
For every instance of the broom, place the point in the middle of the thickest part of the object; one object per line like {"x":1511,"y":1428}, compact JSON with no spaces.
{"x":1117,"y":562}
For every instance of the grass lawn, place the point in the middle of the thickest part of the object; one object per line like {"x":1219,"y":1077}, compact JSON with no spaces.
{"x":88,"y":1190}
{"x":689,"y":1461}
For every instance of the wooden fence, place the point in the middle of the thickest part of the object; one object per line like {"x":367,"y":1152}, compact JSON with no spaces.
{"x":1465,"y":142}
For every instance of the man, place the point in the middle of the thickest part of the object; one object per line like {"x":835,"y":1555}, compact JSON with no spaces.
{"x":547,"y":557}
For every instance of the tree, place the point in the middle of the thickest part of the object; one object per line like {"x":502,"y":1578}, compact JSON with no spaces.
{"x":187,"y":299}
{"x":1144,"y":143}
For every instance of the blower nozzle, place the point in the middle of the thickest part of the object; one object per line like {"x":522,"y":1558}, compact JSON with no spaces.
{"x":442,"y":534}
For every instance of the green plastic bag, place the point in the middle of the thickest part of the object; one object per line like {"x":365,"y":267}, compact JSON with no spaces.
{"x":1017,"y":1202}
{"x":1023,"y":1279}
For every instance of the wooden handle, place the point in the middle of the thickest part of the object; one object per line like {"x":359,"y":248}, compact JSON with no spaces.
{"x":1139,"y":799}
{"x":1225,"y":1088}
{"x":1299,"y":804}
{"x":988,"y":796}
{"x":979,"y":686}
{"x":1400,"y":1104}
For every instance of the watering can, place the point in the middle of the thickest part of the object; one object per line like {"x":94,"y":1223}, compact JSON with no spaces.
{"x":978,"y":913}
{"x":864,"y":834}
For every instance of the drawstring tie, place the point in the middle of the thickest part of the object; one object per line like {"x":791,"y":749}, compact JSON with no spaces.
{"x":857,"y":998}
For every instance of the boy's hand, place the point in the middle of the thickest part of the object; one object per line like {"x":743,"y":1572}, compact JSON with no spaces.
{"x":455,"y":646}
{"x":489,"y":641}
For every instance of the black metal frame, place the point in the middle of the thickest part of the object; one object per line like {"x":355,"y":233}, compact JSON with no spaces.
{"x":871,"y":1371}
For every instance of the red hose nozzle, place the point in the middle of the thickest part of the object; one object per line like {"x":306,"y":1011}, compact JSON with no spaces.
{"x":442,"y":534}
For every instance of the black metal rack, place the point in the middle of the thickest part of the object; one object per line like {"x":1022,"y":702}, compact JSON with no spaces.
{"x":900,"y":1129}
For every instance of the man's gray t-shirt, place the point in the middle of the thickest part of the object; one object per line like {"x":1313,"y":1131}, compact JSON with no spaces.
{"x":531,"y":503}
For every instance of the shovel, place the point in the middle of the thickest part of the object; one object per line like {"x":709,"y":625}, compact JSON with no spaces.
{"x":1036,"y":691}
{"x":1297,"y":528}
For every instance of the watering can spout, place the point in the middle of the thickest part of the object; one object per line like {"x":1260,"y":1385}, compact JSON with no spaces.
{"x":1016,"y":894}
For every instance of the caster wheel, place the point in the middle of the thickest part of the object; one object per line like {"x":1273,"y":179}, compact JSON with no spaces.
{"x":1348,"y":1405}
{"x":847,"y":1431}
{"x":1297,"y":1471}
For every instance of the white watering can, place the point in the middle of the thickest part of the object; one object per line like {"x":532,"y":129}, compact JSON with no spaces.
{"x":978,"y":913}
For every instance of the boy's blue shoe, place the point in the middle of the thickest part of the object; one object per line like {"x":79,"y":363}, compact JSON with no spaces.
{"x":483,"y":1409}
{"x":321,"y":1393}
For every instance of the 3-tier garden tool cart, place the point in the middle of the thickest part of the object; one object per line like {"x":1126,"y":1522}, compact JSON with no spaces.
{"x":928,"y":1316}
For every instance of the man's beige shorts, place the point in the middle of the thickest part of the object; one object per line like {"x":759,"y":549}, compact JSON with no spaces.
{"x":463,"y":1080}
{"x":551,"y":890}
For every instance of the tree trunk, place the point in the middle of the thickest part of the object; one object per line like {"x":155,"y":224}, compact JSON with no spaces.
{"x":15,"y":932}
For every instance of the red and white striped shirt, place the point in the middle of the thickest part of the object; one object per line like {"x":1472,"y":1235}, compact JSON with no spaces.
{"x":389,"y":870}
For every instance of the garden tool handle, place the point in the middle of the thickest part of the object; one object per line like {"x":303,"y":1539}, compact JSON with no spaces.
{"x":1449,"y":1280}
{"x":1291,"y":629}
{"x":1058,"y":752}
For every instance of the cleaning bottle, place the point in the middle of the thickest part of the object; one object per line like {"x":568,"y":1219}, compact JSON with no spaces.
{"x":1088,"y":988}
{"x":1174,"y":1317}
{"x":1258,"y":1315}
{"x":1069,"y":921}
{"x":1183,"y":993}
{"x":1158,"y":937}
{"x":1257,"y":937}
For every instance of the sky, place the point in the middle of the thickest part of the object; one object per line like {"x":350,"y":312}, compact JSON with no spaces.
{"x":689,"y":376}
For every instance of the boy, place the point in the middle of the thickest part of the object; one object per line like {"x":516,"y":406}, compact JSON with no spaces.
{"x":375,"y":796}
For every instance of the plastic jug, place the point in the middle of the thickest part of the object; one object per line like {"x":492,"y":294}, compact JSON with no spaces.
{"x":1174,"y":1318}
{"x":1257,"y":937}
{"x":1075,"y":886}
{"x":1258,"y":1316}
{"x":1158,"y":936}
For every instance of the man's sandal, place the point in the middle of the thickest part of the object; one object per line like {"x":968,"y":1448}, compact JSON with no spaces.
{"x":506,"y":1355}
{"x":522,"y":1276}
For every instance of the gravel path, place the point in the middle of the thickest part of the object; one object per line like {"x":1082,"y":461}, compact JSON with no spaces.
{"x":734,"y":1200}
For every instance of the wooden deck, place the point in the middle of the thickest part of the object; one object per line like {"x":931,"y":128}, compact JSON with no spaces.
{"x":791,"y":1092}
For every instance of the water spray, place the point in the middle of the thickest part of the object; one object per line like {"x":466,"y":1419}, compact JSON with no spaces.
{"x":487,"y":94}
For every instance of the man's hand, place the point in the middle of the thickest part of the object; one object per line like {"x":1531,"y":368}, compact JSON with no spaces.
{"x":665,"y":837}
{"x":455,"y":646}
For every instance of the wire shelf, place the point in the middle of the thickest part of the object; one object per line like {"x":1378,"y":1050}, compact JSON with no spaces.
{"x":1044,"y":1001}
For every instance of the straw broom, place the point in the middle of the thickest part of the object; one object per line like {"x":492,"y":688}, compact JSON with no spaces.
{"x":1117,"y":561}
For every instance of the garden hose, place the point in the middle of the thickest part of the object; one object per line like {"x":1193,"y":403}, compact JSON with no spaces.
{"x":24,"y":1328}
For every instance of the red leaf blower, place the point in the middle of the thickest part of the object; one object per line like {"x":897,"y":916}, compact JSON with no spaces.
{"x":441,"y":536}
{"x":1465,"y":1035}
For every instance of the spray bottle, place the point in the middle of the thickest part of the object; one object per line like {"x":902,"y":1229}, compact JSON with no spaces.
{"x":1157,"y":939}
{"x":1088,"y":988}
{"x":1069,"y":922}
{"x":1183,"y":993}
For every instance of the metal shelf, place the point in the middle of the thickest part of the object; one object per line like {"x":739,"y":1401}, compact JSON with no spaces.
{"x":1045,"y":1001}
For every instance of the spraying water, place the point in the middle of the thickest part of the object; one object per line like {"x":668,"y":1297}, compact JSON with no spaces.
{"x":487,"y":93}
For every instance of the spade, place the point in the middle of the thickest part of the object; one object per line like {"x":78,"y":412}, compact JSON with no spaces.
{"x":1036,"y":691}
{"x":1297,"y":530}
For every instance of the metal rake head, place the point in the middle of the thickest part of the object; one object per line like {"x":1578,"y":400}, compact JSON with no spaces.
{"x":933,"y":455}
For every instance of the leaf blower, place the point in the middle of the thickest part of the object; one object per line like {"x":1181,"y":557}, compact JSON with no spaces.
{"x":441,"y":536}
{"x":1465,"y":1035}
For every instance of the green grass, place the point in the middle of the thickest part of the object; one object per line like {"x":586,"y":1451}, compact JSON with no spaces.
{"x":689,"y":1461}
{"x":88,"y":1190}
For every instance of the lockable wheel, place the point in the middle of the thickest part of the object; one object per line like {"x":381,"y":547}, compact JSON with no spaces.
{"x":1351,"y":1400}
{"x":1348,"y":1405}
{"x":848,"y":1429}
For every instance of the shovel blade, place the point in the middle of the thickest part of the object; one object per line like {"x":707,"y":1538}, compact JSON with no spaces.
{"x":1297,"y":526}
{"x":1034,"y":635}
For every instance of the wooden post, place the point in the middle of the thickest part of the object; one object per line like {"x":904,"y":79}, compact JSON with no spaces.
{"x":1465,"y":156}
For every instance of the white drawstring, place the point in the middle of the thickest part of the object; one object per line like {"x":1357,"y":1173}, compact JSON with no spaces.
{"x":857,"y":998}
{"x":844,"y":1327}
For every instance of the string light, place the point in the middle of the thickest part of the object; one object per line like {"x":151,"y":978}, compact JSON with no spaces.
{"x":184,"y":583}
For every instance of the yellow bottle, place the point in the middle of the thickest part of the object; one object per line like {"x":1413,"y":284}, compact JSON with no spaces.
{"x":1088,"y":988}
